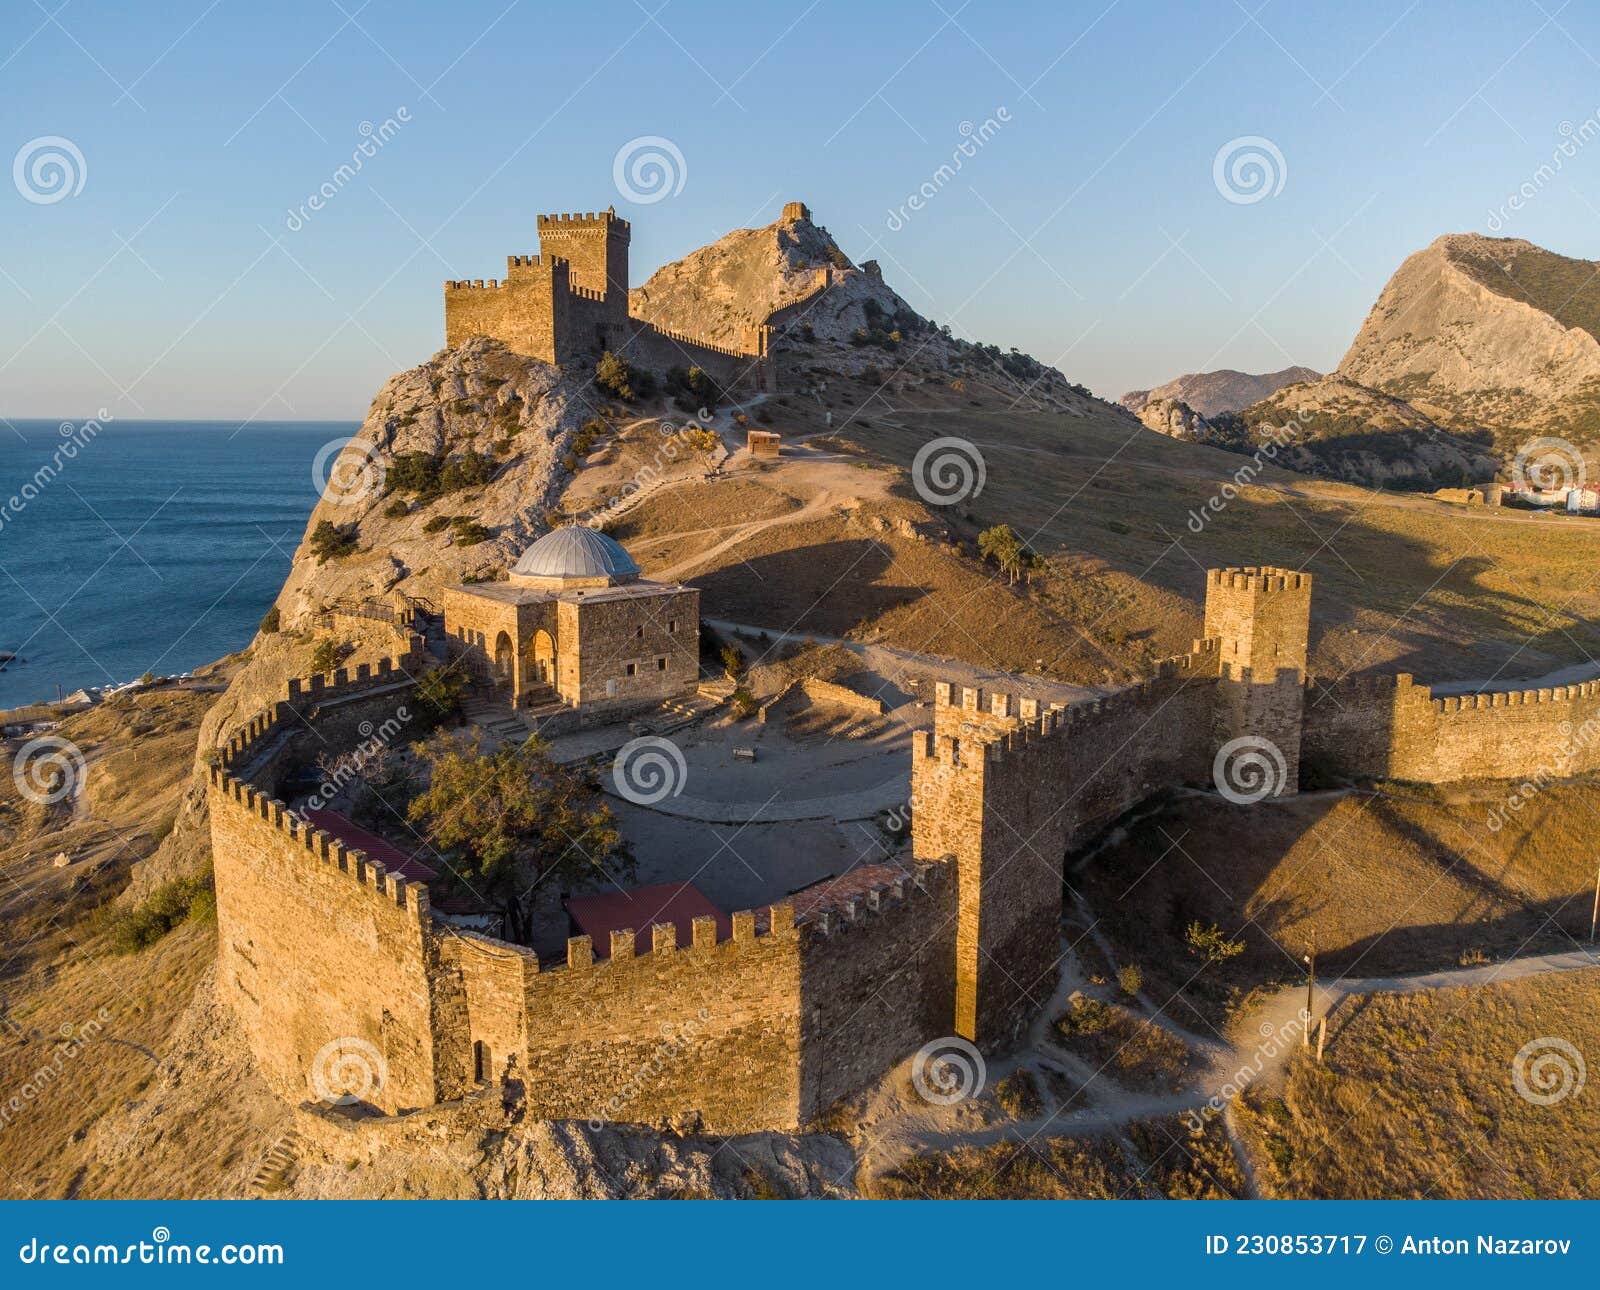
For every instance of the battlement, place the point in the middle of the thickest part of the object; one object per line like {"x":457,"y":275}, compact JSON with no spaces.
{"x":878,"y":899}
{"x":568,"y":221}
{"x":684,"y":338}
{"x":475,"y":284}
{"x":1515,"y":698}
{"x":585,"y":293}
{"x":752,"y":929}
{"x":321,"y":849}
{"x":322,"y":686}
{"x":1265,"y":579}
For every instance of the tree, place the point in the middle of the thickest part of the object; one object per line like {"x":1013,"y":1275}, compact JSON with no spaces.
{"x":1005,"y":548}
{"x":1211,"y":943}
{"x":613,"y":374}
{"x":510,"y":818}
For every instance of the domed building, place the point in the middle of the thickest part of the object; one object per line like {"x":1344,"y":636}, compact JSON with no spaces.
{"x":575,"y":626}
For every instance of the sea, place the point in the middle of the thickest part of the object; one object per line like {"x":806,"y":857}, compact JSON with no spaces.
{"x":155,"y":546}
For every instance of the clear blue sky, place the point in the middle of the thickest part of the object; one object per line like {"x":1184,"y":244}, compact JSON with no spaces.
{"x":1087,"y":230}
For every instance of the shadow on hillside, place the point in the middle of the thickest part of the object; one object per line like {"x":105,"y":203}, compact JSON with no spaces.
{"x":1385,"y":887}
{"x":826,"y":589}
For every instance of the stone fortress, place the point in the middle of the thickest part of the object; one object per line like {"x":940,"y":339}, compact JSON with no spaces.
{"x":772,"y":1015}
{"x":569,"y":303}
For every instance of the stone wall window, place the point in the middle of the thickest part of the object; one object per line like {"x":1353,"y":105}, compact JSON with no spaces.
{"x":630,"y":669}
{"x":638,"y":633}
{"x":661,"y":665}
{"x":672,"y":626}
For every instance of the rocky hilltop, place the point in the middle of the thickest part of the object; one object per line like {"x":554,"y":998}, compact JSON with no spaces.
{"x":1488,"y":332}
{"x":738,"y":282}
{"x":1212,"y":393}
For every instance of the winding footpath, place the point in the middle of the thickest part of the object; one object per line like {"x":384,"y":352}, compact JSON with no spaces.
{"x":1269,"y":1034}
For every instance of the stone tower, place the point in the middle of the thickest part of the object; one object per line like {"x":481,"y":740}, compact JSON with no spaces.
{"x":795,"y":210}
{"x":595,"y":246}
{"x":1262,"y":619}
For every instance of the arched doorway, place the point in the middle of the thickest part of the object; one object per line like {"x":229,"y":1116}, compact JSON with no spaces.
{"x":503,"y":659}
{"x":542,"y":657}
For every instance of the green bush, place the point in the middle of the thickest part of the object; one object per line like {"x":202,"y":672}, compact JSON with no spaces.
{"x":168,"y":906}
{"x":436,"y":523}
{"x":613,"y":375}
{"x":438,"y":692}
{"x":330,"y":541}
{"x":1130,"y":978}
{"x":468,"y":532}
{"x":1211,"y":943}
{"x":733,"y":662}
{"x":397,"y":509}
{"x":744,"y":703}
{"x":269,"y":624}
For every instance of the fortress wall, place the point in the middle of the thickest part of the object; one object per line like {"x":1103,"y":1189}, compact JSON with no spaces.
{"x":659,"y":349}
{"x":320,"y":952}
{"x":318,"y":947}
{"x":1511,"y":735}
{"x":522,"y":310}
{"x":1393,"y":728}
{"x":876,"y":983}
{"x":654,"y":1030}
{"x":1153,"y":735}
{"x":489,"y":1025}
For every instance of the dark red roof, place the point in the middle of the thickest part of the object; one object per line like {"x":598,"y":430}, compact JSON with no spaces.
{"x":378,"y":849}
{"x":678,"y":903}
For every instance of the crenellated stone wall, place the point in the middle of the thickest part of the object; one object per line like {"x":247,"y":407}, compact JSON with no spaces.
{"x":344,"y":981}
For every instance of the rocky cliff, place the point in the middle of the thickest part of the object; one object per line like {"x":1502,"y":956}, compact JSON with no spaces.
{"x":724,"y":290}
{"x":1488,"y":332}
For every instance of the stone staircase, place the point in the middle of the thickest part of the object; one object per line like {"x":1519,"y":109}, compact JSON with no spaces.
{"x":675,"y":714}
{"x":272,"y":1175}
{"x":493,"y":714}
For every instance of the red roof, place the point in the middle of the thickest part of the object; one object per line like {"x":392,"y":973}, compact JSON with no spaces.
{"x":678,"y":903}
{"x":378,"y":849}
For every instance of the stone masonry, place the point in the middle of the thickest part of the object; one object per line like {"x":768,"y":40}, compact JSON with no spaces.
{"x":345,"y":982}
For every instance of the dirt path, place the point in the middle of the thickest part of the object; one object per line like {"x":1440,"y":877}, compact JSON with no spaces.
{"x":902,"y":1126}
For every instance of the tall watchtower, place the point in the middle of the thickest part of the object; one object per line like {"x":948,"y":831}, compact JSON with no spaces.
{"x":596,"y":248}
{"x":1262,"y":617}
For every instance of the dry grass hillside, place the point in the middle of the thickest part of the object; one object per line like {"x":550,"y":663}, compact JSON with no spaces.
{"x":1403,"y":582}
{"x":1418,"y":1099}
{"x":1402,"y":880}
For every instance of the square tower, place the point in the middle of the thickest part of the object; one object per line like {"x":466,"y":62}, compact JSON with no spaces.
{"x":1261,"y":618}
{"x":596,"y":248}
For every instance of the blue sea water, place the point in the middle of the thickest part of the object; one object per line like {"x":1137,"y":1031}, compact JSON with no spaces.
{"x":144,"y":546}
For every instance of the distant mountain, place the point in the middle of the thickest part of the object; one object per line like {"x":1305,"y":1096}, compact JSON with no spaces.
{"x":1488,"y":332}
{"x":1213,"y":393}
{"x":1339,"y":429}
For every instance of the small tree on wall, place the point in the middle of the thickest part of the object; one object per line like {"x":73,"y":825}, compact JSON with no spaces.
{"x":512,"y":818}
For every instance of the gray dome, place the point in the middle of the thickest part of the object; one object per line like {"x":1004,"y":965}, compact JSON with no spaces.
{"x":576,"y":551}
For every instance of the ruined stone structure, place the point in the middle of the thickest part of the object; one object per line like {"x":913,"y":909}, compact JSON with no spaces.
{"x":323,"y":953}
{"x":569,"y":304}
{"x":575,"y":625}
